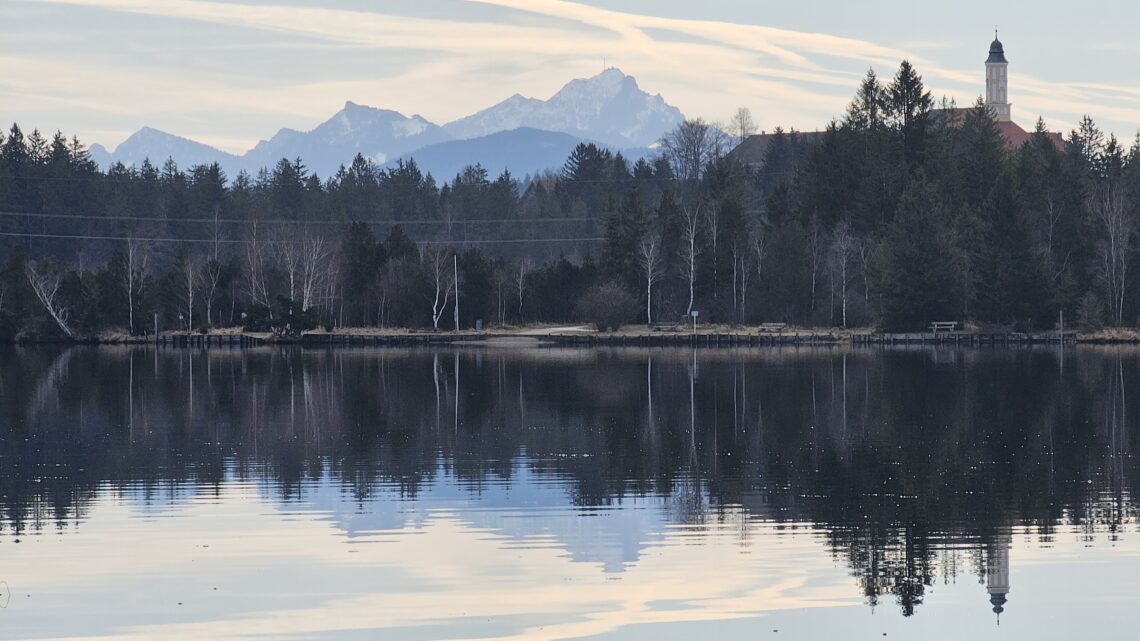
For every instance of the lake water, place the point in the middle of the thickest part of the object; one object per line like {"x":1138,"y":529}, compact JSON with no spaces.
{"x":543,"y":493}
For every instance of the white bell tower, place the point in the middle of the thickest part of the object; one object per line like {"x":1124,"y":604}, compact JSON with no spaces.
{"x":997,"y":89}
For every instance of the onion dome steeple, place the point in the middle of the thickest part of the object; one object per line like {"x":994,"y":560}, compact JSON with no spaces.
{"x":997,"y":51}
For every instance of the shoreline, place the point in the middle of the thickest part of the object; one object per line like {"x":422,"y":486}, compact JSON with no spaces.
{"x":713,"y":336}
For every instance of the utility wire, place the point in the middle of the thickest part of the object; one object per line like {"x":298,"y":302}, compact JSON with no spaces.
{"x":234,"y":241}
{"x":238,"y":221}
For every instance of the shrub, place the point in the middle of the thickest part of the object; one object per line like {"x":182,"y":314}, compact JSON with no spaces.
{"x":606,"y":306}
{"x":1091,"y":312}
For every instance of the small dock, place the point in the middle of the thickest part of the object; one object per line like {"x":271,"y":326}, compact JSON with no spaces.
{"x":387,"y":340}
{"x":692,"y":340}
{"x":208,"y":340}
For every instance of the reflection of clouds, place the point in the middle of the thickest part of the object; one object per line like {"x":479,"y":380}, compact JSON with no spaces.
{"x":531,"y":509}
{"x":284,"y":576}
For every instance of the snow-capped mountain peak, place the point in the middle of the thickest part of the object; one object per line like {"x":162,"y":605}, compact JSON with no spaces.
{"x":608,"y":107}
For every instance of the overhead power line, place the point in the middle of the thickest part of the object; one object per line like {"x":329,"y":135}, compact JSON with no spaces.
{"x":278,"y":221}
{"x":233,"y":241}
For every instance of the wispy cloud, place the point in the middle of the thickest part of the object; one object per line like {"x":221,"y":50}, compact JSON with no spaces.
{"x":707,"y":68}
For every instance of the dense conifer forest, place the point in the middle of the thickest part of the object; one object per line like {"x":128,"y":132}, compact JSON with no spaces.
{"x":901,"y":212}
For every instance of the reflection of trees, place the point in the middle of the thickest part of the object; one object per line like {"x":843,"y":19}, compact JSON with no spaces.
{"x":905,"y":460}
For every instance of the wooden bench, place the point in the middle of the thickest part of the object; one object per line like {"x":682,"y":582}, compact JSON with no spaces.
{"x":773,"y":327}
{"x":661,"y":326}
{"x":947,"y":326}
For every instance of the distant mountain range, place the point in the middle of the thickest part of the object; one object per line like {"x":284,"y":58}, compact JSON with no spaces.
{"x":522,"y":134}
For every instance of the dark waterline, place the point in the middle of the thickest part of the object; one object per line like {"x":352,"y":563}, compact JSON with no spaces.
{"x":561,"y":493}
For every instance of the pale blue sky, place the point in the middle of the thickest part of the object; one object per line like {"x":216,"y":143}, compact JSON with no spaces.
{"x":231,"y":73}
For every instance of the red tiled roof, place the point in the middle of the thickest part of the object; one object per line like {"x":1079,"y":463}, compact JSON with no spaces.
{"x":1015,"y":136}
{"x":754,"y":148}
{"x":1012,"y":132}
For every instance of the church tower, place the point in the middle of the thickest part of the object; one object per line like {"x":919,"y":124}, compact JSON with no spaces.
{"x":997,"y":573}
{"x":997,"y":97}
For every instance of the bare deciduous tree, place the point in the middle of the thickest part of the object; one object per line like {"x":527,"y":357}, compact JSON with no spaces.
{"x":759,"y":249}
{"x":290,"y":252}
{"x":254,"y":249}
{"x":690,"y":249}
{"x":842,"y":246}
{"x":213,"y":271}
{"x":315,"y":256}
{"x":742,"y":126}
{"x":816,"y":248}
{"x":649,"y":258}
{"x":502,"y":280}
{"x":740,"y":269}
{"x":691,"y":146}
{"x":1108,"y":205}
{"x":713,"y":218}
{"x":190,"y":277}
{"x":137,"y":257}
{"x":45,"y":280}
{"x":524,"y":269}
{"x":438,"y":259}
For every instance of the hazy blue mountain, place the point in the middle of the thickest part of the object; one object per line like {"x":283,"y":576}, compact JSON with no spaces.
{"x":379,"y":134}
{"x":158,"y":146}
{"x":609,"y":108}
{"x":524,"y":134}
{"x":523,"y":150}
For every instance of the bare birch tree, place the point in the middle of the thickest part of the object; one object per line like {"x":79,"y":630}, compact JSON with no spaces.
{"x":1108,"y":205}
{"x":712,"y":219}
{"x":740,"y":269}
{"x":690,"y":249}
{"x":316,"y":255}
{"x":190,"y":278}
{"x":842,"y":247}
{"x":290,"y":254}
{"x":649,"y":259}
{"x":137,"y":257}
{"x":502,"y":281}
{"x":45,"y":280}
{"x":759,"y":249}
{"x":816,"y":252}
{"x":520,"y":276}
{"x":438,"y":259}
{"x":254,"y":250}
{"x":213,"y":271}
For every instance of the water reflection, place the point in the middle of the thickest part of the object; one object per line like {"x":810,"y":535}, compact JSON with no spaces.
{"x":905,"y":471}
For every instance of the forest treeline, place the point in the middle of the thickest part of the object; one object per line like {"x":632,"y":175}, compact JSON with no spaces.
{"x":902,"y":212}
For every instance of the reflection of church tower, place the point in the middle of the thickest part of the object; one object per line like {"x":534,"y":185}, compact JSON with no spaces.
{"x":997,"y":573}
{"x":997,"y":91}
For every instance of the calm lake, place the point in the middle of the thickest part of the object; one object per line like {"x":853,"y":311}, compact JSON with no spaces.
{"x":545,"y":493}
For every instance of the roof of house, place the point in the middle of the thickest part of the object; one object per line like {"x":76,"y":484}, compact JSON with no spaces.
{"x":754,"y":149}
{"x":1015,"y":136}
